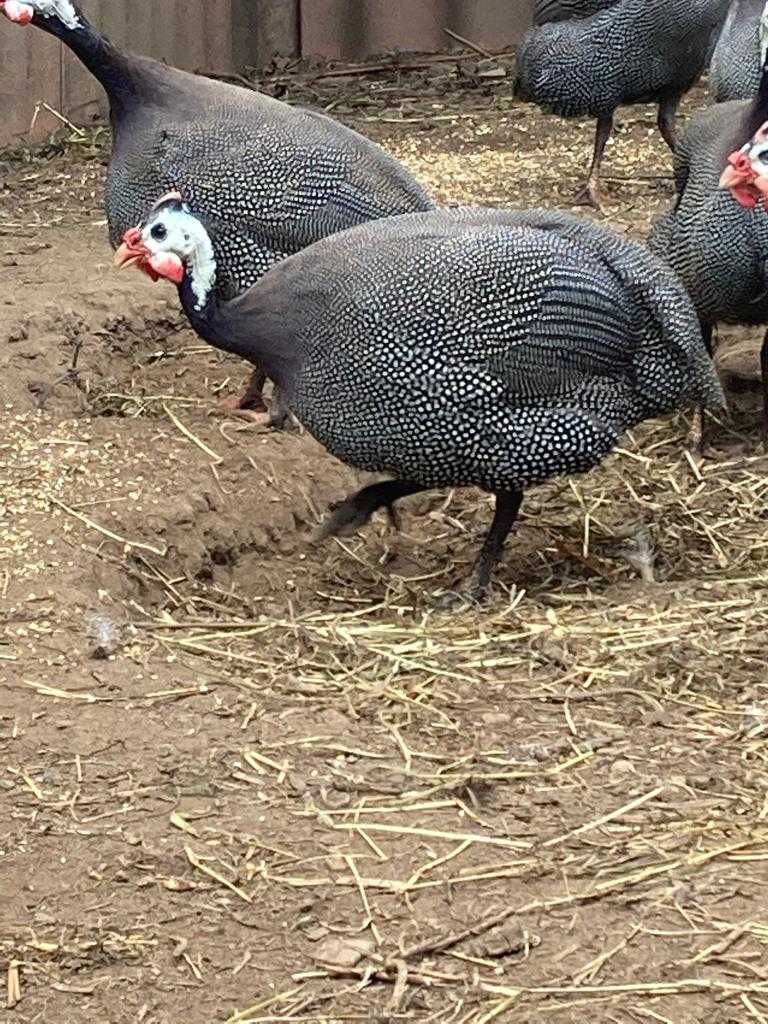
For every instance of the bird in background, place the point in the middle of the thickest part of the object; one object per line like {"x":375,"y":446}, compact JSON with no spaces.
{"x":740,"y":53}
{"x":586,"y":58}
{"x":715,"y":237}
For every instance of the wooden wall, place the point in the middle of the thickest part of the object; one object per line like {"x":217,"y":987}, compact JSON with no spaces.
{"x":230,"y":35}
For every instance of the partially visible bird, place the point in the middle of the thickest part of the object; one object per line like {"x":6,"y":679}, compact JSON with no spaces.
{"x":716,"y":236}
{"x":740,"y":52}
{"x":455,"y":348}
{"x":633,"y":51}
{"x":272,"y":177}
{"x":545,"y":11}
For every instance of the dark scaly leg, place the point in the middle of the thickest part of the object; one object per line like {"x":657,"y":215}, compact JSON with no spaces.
{"x":507,"y":509}
{"x":666,"y":120}
{"x":589,"y":195}
{"x":356,"y":510}
{"x":764,"y":372}
{"x":698,"y":436}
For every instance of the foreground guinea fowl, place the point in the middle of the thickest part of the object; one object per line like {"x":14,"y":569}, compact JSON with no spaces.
{"x":740,"y":52}
{"x":273,"y":178}
{"x":633,"y":51}
{"x":716,"y":236}
{"x":454,"y":348}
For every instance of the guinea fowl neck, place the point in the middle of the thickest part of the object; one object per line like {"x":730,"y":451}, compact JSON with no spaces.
{"x":238,"y":326}
{"x":107,"y":64}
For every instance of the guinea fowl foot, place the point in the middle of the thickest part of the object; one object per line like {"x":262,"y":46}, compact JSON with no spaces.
{"x":476,"y":591}
{"x":589,"y":195}
{"x":698,"y":436}
{"x":353,"y":513}
{"x":458,"y":601}
{"x":232,"y":406}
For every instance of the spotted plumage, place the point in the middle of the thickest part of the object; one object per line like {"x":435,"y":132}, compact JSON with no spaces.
{"x":463,"y":347}
{"x":270,"y":177}
{"x":632,"y":51}
{"x":717,"y":246}
{"x":737,"y":61}
{"x":545,"y":11}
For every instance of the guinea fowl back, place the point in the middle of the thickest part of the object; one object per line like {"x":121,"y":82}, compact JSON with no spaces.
{"x":286,"y":178}
{"x":616,"y":341}
{"x":563,"y":10}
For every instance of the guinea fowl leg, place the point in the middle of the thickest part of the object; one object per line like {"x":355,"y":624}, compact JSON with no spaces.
{"x":698,"y":436}
{"x":507,"y":509}
{"x":666,"y":121}
{"x":355,"y":512}
{"x":764,"y":373}
{"x":250,"y":405}
{"x":589,"y":195}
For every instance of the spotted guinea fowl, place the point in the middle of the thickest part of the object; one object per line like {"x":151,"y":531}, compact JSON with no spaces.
{"x":716,"y":235}
{"x":735,"y":70}
{"x":274,"y":178}
{"x":454,"y":348}
{"x":545,"y":11}
{"x":634,"y":51}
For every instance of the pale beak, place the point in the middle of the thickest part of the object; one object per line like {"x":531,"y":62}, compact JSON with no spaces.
{"x":738,"y":171}
{"x":17,"y":12}
{"x":133,"y":253}
{"x":731,"y":178}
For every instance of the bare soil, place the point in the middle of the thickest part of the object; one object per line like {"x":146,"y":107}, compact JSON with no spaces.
{"x":244,"y":776}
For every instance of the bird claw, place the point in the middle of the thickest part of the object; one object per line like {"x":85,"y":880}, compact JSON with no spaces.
{"x":589,"y":195}
{"x":347,"y":518}
{"x":459,"y":601}
{"x":343,"y":520}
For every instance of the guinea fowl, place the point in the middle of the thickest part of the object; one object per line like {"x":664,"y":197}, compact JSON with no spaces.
{"x":716,"y":236}
{"x":740,"y":52}
{"x":273,"y":178}
{"x":454,"y":348}
{"x":633,"y":51}
{"x":545,"y":11}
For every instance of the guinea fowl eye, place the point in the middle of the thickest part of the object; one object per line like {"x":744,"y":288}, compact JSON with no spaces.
{"x":159,"y":232}
{"x":763,"y":157}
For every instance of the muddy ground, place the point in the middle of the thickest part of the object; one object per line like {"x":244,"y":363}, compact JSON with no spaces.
{"x":244,"y":776}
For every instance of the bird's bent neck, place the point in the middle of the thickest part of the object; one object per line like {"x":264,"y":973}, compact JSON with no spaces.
{"x":107,"y":64}
{"x":244,"y":327}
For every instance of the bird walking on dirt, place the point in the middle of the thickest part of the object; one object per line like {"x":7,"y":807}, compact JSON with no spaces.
{"x":273,"y":178}
{"x":619,"y":52}
{"x":457,"y":348}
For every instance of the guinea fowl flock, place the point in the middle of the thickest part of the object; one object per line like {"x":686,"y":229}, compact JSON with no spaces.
{"x":451,"y":347}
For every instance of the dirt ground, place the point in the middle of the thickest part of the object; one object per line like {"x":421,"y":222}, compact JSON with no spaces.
{"x":247,"y":777}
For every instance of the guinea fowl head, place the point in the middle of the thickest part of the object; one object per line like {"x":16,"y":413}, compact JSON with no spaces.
{"x":54,"y":15}
{"x":746,"y":176}
{"x":171,"y":244}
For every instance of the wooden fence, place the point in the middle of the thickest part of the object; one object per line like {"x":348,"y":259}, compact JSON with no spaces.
{"x":230,"y":35}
